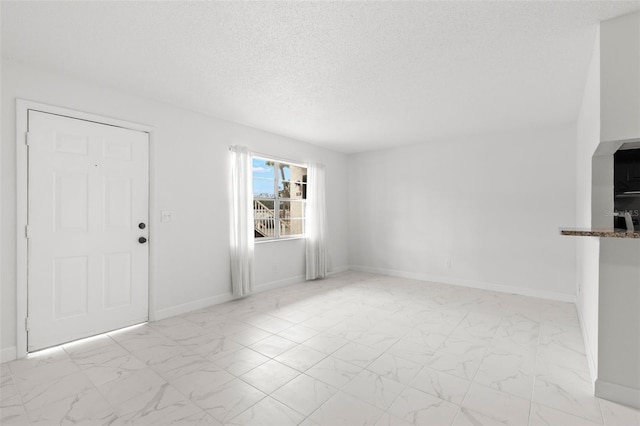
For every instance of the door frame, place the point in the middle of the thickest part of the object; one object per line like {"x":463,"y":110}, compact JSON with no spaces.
{"x":22,"y":186}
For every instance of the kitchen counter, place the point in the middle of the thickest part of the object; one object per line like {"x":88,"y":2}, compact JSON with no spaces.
{"x":607,"y":233}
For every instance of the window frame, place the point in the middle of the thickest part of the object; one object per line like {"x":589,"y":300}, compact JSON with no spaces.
{"x":277,"y":199}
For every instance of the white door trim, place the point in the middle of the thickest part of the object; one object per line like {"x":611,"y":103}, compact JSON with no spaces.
{"x":22,"y":110}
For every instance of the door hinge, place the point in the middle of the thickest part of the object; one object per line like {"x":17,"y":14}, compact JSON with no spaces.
{"x":27,"y":324}
{"x":27,"y":138}
{"x":27,"y":231}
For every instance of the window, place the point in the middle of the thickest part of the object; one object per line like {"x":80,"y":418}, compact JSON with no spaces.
{"x":279,"y":198}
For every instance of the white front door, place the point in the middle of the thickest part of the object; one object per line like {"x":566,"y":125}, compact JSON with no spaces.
{"x":88,"y":209}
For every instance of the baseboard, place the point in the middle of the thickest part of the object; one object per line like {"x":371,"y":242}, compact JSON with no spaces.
{"x":259,"y":288}
{"x":338,"y":270}
{"x":222,"y":298}
{"x":8,"y":354}
{"x":593,"y":369}
{"x":542,"y":294}
{"x":618,"y":393}
{"x":192,"y":306}
{"x":293,"y":280}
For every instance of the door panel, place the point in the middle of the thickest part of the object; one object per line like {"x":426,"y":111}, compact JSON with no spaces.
{"x":117,"y":203}
{"x":71,"y":144}
{"x":71,"y":202}
{"x":88,"y":190}
{"x":117,"y":280}
{"x":71,"y":286}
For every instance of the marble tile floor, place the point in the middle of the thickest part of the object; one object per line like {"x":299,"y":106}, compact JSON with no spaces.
{"x":353,"y":349}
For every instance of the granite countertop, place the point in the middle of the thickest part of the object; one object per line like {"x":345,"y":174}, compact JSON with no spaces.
{"x":610,"y":233}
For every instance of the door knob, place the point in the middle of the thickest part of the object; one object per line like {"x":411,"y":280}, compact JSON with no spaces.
{"x":142,"y":240}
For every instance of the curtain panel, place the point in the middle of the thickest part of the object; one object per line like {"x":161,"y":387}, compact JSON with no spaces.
{"x":316,"y":226}
{"x":241,"y":238}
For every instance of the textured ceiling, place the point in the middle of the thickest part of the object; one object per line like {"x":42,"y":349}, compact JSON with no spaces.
{"x":350,"y":76}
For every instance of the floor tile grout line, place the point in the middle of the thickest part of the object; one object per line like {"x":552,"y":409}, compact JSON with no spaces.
{"x":339,"y":389}
{"x":554,"y":408}
{"x":604,"y":420}
{"x":131,"y":353}
{"x":472,"y":380}
{"x":22,"y":405}
{"x":422,"y":367}
{"x":88,"y":379}
{"x":535,"y":372}
{"x":13,"y":381}
{"x":366,"y":309}
{"x":268,"y":395}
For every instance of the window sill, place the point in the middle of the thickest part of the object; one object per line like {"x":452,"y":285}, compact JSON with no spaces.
{"x":273,"y":240}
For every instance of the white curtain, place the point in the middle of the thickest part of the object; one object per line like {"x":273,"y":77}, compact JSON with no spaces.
{"x":241,"y":221}
{"x":316,"y":223}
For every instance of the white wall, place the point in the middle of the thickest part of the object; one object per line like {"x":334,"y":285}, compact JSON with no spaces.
{"x":587,"y":254}
{"x":619,"y":321}
{"x":190,"y":262}
{"x":619,"y":275}
{"x":620,"y":85}
{"x":478,"y":211}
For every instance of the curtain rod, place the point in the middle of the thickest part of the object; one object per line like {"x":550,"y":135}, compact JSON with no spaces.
{"x":272,"y":157}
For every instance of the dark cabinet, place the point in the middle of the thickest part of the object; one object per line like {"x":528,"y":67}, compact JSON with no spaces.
{"x":626,"y":171}
{"x":626,"y":183}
